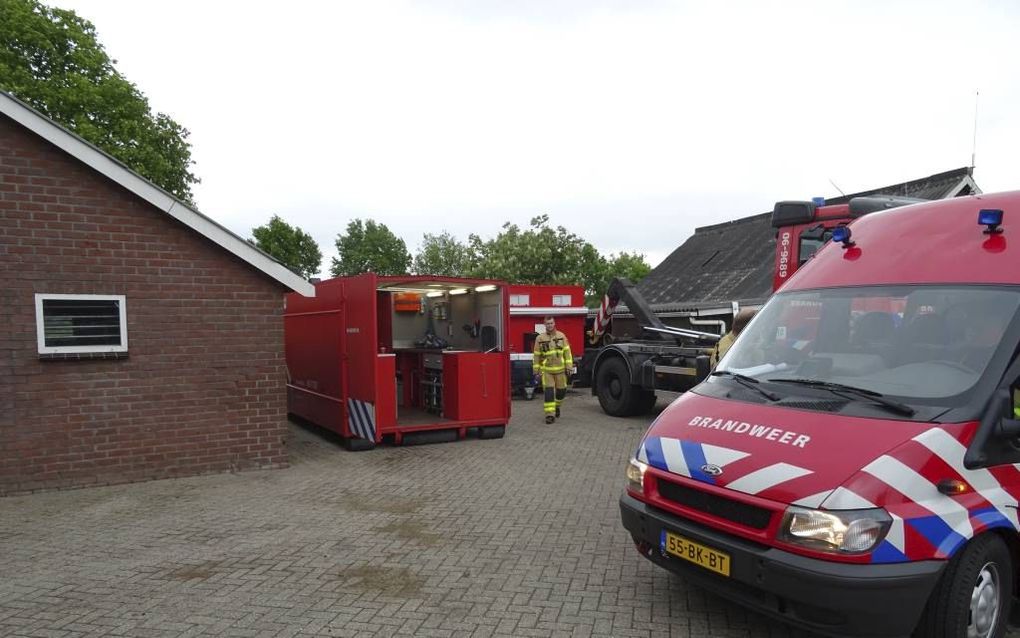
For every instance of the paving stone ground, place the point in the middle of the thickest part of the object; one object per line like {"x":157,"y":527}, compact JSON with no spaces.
{"x":512,"y":537}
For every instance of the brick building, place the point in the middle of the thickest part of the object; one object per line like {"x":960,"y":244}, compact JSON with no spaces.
{"x":138,"y":338}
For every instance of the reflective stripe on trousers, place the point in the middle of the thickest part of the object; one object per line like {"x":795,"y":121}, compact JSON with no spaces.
{"x":554,"y":387}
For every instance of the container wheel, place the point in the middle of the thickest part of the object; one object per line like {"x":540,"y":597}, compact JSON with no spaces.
{"x":428,"y":437}
{"x":973,"y":597}
{"x":612,"y":385}
{"x":354,"y":444}
{"x":492,"y":432}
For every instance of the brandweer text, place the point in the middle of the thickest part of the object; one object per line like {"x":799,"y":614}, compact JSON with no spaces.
{"x":759,"y":431}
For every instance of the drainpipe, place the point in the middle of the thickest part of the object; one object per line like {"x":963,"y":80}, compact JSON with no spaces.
{"x":709,"y":322}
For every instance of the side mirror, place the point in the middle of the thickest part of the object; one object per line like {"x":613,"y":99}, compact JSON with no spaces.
{"x":1009,"y":426}
{"x":997,"y":440}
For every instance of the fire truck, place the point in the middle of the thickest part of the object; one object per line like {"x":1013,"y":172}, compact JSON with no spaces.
{"x":852,"y":465}
{"x":626,"y":376}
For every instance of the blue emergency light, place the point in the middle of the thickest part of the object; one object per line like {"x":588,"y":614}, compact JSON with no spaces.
{"x":992,"y":218}
{"x":818,"y":201}
{"x":842,"y":234}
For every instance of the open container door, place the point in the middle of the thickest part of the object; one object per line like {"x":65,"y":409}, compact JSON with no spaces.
{"x":362,"y":362}
{"x":314,"y":333}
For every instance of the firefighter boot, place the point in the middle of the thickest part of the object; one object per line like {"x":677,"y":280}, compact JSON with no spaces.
{"x":549,"y":419}
{"x":561,"y":393}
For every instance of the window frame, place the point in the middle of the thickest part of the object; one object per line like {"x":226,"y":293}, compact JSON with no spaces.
{"x":562,"y":301}
{"x":40,"y":325}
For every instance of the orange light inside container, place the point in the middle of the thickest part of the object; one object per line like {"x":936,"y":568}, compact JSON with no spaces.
{"x":407,"y":302}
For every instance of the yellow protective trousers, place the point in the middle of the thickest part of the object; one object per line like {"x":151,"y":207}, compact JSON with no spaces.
{"x":554,"y":387}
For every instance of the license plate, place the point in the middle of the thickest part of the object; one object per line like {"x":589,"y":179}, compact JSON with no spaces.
{"x":711,"y":559}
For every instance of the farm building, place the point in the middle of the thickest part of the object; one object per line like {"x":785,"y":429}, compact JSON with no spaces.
{"x":139,"y":339}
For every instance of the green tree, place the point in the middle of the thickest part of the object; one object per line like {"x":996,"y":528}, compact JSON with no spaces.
{"x":443,"y":254}
{"x":50,"y":58}
{"x":370,"y":247}
{"x":630,"y":265}
{"x":292,"y":246}
{"x":541,"y":254}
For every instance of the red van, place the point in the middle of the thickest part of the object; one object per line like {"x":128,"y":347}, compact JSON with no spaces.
{"x":853,"y":464}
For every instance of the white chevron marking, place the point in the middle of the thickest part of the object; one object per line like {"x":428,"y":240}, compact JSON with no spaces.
{"x":766,"y":477}
{"x":722,"y":456}
{"x":920,"y":490}
{"x":674,"y":457}
{"x":943,"y":445}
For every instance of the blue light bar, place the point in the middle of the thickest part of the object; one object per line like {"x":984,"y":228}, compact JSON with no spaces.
{"x":991,"y":217}
{"x":842,"y":234}
{"x":819,"y":201}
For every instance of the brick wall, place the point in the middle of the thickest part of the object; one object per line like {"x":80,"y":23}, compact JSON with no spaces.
{"x":202,"y":389}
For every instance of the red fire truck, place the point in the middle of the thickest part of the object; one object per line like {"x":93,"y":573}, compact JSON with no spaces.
{"x":410,"y":358}
{"x":853,"y":463}
{"x":529,"y":305}
{"x":626,"y":376}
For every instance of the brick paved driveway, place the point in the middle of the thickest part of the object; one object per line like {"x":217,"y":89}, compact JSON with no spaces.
{"x":519,"y":536}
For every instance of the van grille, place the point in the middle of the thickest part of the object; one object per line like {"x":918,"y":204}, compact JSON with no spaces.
{"x":718,"y":506}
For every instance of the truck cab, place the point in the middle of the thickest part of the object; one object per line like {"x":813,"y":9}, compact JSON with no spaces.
{"x":853,"y":463}
{"x":802,"y":227}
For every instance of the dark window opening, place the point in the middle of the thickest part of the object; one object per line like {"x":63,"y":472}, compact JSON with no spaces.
{"x":80,"y":324}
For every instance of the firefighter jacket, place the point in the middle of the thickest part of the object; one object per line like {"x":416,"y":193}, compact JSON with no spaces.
{"x":552,"y":353}
{"x":722,"y":347}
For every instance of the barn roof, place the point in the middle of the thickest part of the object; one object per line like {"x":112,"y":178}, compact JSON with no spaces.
{"x":733,"y":261}
{"x":106,"y":165}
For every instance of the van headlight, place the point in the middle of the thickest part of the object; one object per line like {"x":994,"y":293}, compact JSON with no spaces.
{"x":838,"y":531}
{"x":636,"y":476}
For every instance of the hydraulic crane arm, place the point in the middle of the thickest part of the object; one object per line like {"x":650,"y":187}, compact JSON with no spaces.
{"x":621,"y":289}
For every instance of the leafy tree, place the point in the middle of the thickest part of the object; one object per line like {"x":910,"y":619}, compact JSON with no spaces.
{"x":630,"y":265}
{"x":443,"y":254}
{"x":370,"y":247}
{"x":540,"y":254}
{"x":51,"y":59}
{"x":292,"y":246}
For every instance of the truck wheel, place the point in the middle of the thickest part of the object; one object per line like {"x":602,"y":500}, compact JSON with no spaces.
{"x":616,"y":394}
{"x":645,"y":402}
{"x":973,"y":596}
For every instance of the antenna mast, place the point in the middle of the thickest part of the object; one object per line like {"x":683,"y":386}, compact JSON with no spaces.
{"x":973,"y":148}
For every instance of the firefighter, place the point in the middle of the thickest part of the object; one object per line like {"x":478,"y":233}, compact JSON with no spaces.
{"x":552,"y":363}
{"x":740,"y":321}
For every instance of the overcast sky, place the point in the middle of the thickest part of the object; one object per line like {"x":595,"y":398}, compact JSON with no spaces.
{"x":631,"y":123}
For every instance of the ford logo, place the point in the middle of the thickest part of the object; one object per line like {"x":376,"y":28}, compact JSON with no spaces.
{"x":711,"y":470}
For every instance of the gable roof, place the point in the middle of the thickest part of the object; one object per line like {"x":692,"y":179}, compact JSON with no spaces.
{"x":106,"y":165}
{"x":733,"y":261}
{"x":954,"y":183}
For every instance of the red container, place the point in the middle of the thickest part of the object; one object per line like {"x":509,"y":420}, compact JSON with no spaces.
{"x":358,"y":365}
{"x":530,"y":304}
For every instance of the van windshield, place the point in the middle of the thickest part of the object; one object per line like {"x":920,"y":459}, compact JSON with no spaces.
{"x":922,"y":342}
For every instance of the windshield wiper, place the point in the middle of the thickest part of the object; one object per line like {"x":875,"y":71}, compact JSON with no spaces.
{"x":748,"y":382}
{"x":837,"y":388}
